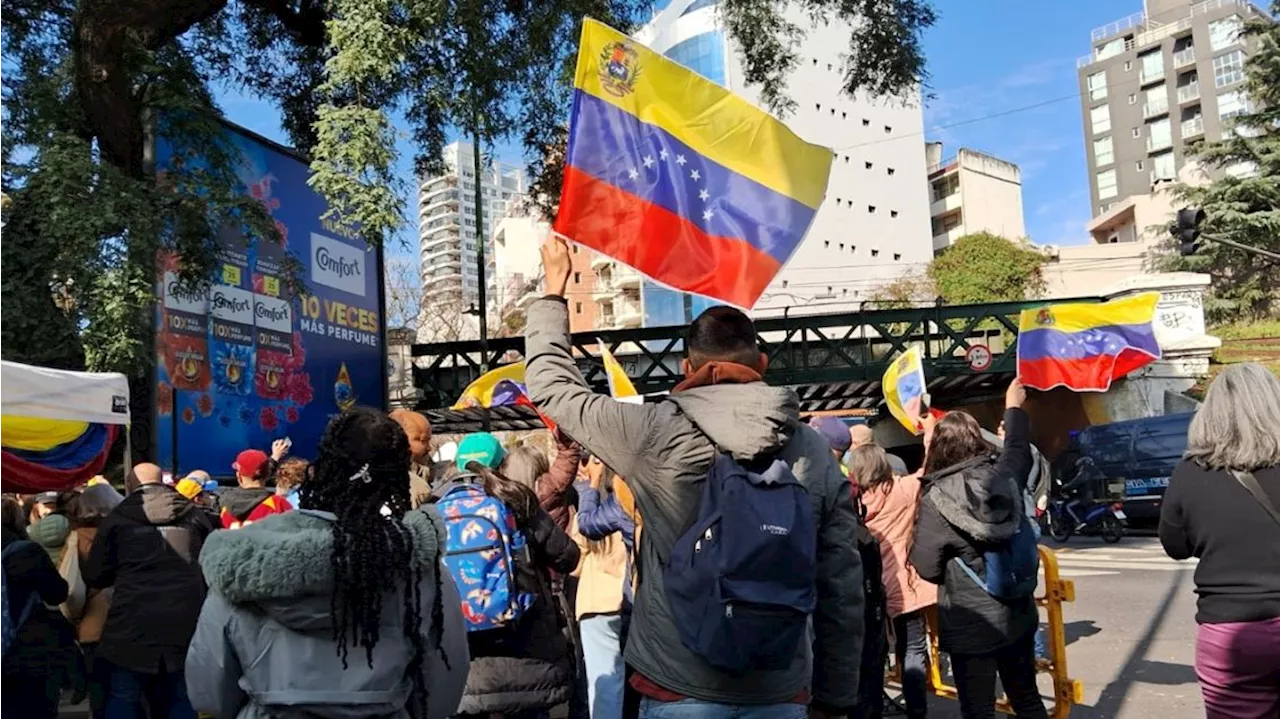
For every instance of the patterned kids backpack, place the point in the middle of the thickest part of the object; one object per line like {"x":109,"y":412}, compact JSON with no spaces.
{"x":485,"y":552}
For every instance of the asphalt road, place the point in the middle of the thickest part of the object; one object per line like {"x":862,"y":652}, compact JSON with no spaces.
{"x":1130,"y":633}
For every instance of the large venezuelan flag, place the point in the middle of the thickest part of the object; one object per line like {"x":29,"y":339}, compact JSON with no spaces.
{"x":1085,"y":347}
{"x":677,"y":177}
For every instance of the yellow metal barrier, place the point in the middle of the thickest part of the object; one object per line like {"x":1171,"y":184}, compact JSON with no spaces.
{"x":1066,"y":691}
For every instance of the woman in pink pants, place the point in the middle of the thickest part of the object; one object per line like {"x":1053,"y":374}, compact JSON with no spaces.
{"x":1221,"y":507}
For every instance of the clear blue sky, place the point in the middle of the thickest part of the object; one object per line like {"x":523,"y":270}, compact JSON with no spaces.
{"x":986,"y":57}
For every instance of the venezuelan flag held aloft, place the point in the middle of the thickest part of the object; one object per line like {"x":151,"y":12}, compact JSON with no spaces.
{"x":1084,"y":346}
{"x":679,"y":178}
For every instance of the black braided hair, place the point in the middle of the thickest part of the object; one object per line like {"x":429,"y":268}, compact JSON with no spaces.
{"x":362,"y":467}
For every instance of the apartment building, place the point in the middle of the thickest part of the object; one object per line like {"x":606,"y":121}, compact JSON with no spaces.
{"x":972,"y":192}
{"x":447,"y":227}
{"x":874,"y":224}
{"x":1153,"y":83}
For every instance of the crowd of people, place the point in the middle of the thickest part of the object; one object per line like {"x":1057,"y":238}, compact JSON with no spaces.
{"x":707,"y":555}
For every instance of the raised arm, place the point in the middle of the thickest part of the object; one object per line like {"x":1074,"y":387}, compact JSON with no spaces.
{"x":553,"y":487}
{"x":1015,"y":456}
{"x":614,"y":431}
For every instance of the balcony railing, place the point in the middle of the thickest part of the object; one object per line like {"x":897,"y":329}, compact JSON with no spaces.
{"x":1157,"y":106}
{"x":1156,"y":144}
{"x":1182,"y":58}
{"x":1189,"y":93}
{"x":1192,"y":128}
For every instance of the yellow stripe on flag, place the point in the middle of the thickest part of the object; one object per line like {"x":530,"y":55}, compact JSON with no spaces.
{"x":480,"y":392}
{"x":36,"y":434}
{"x":1079,"y":316}
{"x":620,"y":386}
{"x":712,"y":121}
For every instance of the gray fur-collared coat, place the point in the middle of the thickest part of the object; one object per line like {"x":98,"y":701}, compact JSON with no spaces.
{"x":264,"y":644}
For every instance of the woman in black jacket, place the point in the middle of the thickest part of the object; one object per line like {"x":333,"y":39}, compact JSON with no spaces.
{"x":1223,"y":507}
{"x":525,"y":669}
{"x":37,"y":666}
{"x":973,"y":501}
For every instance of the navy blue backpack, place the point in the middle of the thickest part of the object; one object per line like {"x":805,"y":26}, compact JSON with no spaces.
{"x":1010,"y":568}
{"x":740,"y":581}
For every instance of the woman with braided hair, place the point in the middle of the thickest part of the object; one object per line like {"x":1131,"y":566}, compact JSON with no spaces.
{"x":338,"y":609}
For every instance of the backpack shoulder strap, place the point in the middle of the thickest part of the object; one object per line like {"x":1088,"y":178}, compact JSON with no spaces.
{"x":1250,"y":483}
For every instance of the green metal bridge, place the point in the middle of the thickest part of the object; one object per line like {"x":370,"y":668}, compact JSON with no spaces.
{"x":834,"y":362}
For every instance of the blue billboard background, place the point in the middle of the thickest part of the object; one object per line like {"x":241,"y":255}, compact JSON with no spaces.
{"x":246,"y":362}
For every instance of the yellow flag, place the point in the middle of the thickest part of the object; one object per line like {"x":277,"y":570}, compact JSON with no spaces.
{"x":620,"y":386}
{"x":904,"y":388}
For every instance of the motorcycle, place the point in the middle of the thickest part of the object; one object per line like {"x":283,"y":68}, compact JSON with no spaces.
{"x":1106,"y":519}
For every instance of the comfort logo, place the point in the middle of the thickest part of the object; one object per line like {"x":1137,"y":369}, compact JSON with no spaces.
{"x":338,"y":265}
{"x":231,"y":304}
{"x":271,"y":313}
{"x":183,"y":299}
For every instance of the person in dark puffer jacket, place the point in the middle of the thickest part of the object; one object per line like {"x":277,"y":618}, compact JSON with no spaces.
{"x":35,"y":666}
{"x":972,"y":501}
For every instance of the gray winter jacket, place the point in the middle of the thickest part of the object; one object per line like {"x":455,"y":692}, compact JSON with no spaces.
{"x":664,"y":451}
{"x":264,"y":645}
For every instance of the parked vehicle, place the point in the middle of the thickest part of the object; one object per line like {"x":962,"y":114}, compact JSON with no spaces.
{"x":1137,"y":457}
{"x":1105,"y":519}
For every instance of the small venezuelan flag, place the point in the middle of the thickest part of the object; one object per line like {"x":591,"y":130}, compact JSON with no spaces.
{"x":679,"y":178}
{"x":620,"y":386}
{"x":905,"y":388}
{"x":1085,"y":347}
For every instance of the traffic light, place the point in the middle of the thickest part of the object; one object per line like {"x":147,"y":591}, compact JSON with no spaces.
{"x":1186,"y":230}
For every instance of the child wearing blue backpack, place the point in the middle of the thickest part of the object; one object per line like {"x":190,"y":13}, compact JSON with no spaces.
{"x":973,"y":539}
{"x":501,"y":549}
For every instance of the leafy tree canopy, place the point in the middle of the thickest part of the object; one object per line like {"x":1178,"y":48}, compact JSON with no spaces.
{"x":1243,"y":204}
{"x":88,"y":83}
{"x":983,"y":267}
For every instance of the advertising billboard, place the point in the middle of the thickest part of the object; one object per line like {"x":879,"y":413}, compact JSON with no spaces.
{"x":245,"y":362}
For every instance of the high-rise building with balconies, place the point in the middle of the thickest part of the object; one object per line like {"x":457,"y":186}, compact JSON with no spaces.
{"x":448,"y":234}
{"x":1155,"y":82}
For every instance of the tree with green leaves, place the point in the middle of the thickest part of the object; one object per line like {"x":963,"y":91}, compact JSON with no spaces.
{"x":1243,"y":202}
{"x":983,"y":267}
{"x":89,"y":84}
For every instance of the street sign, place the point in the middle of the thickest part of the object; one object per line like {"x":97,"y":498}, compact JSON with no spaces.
{"x":978,"y":356}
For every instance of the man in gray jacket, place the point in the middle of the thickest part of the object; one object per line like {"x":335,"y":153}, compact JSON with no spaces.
{"x":664,"y":450}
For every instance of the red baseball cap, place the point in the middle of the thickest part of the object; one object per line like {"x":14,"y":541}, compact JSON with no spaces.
{"x":250,"y":463}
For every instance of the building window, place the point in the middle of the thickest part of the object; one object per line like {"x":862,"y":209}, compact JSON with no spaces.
{"x":897,"y":256}
{"x":1163,"y":167}
{"x":1231,"y":104}
{"x":1140,"y":166}
{"x":1136,"y":132}
{"x":1228,"y":69}
{"x":1152,"y":66}
{"x":704,"y":54}
{"x":875,"y":253}
{"x":887,"y":129}
{"x":1098,"y":85}
{"x":577,"y":308}
{"x":1103,"y":152}
{"x":1108,"y":49}
{"x":867,"y":165}
{"x":1225,"y":32}
{"x":1161,"y":133}
{"x":866,"y":122}
{"x":575,"y":249}
{"x":871,"y":209}
{"x":1133,"y":99}
{"x":890,"y":170}
{"x":893,"y":213}
{"x":577,"y":278}
{"x":1128,"y":65}
{"x":1106,"y":184}
{"x":1100,"y":118}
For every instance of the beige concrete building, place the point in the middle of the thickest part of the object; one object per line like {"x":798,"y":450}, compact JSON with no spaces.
{"x":972,"y":192}
{"x":1122,"y":241}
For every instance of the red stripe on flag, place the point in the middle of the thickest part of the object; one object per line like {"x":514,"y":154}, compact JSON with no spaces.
{"x":659,"y":243}
{"x":1087,"y":374}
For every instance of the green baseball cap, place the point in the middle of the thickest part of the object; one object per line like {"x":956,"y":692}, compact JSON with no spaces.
{"x":480,"y":447}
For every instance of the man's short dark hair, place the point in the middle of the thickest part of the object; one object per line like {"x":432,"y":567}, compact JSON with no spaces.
{"x":723,"y":334}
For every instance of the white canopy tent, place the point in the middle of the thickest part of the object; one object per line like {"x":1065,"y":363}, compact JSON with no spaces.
{"x":45,"y":393}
